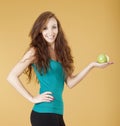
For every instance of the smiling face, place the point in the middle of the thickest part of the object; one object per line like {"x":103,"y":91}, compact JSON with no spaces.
{"x":50,"y":31}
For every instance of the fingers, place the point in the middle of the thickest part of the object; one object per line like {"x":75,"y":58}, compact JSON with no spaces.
{"x":110,"y":62}
{"x":102,"y":65}
{"x":47,"y":92}
{"x":105,"y":64}
{"x":44,"y":97}
{"x":48,"y":99}
{"x":47,"y":96}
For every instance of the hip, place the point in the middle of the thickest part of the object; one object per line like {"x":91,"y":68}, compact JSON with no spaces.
{"x":46,"y":119}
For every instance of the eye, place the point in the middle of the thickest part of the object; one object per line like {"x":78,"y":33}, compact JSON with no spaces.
{"x":54,"y":27}
{"x":45,"y":28}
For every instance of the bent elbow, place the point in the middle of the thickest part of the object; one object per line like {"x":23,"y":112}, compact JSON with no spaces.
{"x":10,"y":78}
{"x":70,"y":86}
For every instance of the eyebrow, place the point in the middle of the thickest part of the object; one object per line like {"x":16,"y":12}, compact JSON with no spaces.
{"x":55,"y":24}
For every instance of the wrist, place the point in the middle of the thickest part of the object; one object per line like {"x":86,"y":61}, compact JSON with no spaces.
{"x":31,"y":99}
{"x":91,"y":65}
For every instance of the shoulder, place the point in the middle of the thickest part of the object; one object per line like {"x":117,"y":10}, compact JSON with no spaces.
{"x":29,"y":55}
{"x":31,"y":51}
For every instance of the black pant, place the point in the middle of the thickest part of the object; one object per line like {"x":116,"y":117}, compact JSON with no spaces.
{"x":46,"y":119}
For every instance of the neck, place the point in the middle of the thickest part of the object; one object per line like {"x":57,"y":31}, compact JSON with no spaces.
{"x":52,"y":52}
{"x":51,"y":47}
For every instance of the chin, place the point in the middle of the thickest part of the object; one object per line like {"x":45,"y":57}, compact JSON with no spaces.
{"x":50,"y":42}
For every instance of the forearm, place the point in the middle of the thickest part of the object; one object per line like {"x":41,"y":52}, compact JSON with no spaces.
{"x":16,"y":83}
{"x":72,"y":81}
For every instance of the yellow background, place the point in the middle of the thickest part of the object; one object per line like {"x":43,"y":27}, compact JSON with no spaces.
{"x":92,"y":27}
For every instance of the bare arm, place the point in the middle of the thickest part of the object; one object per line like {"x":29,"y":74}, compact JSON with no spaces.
{"x":75,"y":79}
{"x":13,"y":79}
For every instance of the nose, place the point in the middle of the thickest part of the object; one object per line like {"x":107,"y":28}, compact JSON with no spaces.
{"x":50,"y":32}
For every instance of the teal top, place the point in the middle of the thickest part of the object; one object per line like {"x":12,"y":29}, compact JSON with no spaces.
{"x":52,"y":81}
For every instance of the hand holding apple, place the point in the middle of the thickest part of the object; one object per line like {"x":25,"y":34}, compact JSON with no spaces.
{"x":101,"y":65}
{"x":102,"y":61}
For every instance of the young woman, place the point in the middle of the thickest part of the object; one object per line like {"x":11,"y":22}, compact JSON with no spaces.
{"x":50,"y":57}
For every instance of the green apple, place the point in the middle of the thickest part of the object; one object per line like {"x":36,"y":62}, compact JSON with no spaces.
{"x":103,"y":58}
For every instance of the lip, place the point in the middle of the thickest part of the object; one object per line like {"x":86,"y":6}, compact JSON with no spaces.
{"x":50,"y":37}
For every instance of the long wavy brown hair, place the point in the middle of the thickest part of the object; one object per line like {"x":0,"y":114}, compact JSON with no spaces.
{"x":62,"y":50}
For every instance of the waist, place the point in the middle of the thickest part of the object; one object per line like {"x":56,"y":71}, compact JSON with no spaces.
{"x":50,"y":107}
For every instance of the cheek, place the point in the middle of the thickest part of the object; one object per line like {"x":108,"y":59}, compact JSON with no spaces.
{"x":43,"y":34}
{"x":56,"y":31}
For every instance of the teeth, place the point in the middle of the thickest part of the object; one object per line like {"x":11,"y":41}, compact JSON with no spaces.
{"x":50,"y":37}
